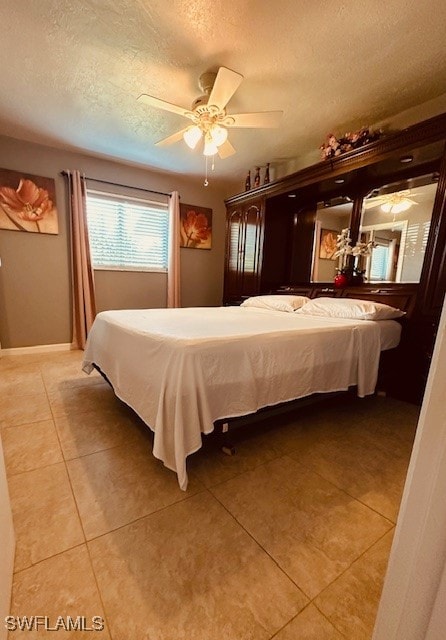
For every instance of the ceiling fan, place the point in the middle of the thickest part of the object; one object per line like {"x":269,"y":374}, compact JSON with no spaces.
{"x":210,"y":122}
{"x":392,"y":202}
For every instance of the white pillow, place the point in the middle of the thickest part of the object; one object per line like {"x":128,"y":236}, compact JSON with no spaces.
{"x":276,"y":302}
{"x":350,"y":308}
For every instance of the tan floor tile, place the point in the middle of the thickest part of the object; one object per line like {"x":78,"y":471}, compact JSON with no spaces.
{"x":21,"y":381}
{"x":263,"y":440}
{"x":119,"y":485}
{"x":11,"y":361}
{"x":180,"y":568}
{"x":319,"y":421}
{"x":384,"y":405}
{"x":24,"y":410}
{"x":310,"y":624}
{"x":353,"y":408}
{"x":17,"y":362}
{"x":217,"y":584}
{"x":393,"y":423}
{"x":61,"y":375}
{"x":373,"y":473}
{"x":44,"y":513}
{"x":30,"y":446}
{"x":60,"y":357}
{"x":389,"y":423}
{"x":99,"y":429}
{"x":70,"y":354}
{"x":352,"y":601}
{"x":295,"y":433}
{"x":60,"y":586}
{"x":78,"y":399}
{"x":393,"y":430}
{"x":312,"y":529}
{"x":212,"y":466}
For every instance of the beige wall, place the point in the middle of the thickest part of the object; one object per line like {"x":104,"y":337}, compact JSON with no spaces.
{"x":35,"y":304}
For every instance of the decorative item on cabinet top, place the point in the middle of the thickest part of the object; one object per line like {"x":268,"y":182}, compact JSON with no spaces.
{"x":257,"y":177}
{"x":334,"y":146}
{"x":257,"y":181}
{"x":248,"y":181}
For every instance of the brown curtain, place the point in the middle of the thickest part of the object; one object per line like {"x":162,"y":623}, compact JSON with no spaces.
{"x":173,"y":269}
{"x":83,"y":294}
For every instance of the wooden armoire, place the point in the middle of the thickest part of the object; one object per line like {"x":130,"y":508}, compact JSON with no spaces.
{"x":270,"y":233}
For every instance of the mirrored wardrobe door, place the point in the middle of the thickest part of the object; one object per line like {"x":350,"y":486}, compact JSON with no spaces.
{"x":396,"y":219}
{"x":331,"y":218}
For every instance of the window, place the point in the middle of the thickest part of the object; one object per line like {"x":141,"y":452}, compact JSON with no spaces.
{"x":379,"y":259}
{"x":128,"y":234}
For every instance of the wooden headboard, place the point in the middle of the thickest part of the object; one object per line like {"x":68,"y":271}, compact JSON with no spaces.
{"x":401,"y":296}
{"x":401,"y":299}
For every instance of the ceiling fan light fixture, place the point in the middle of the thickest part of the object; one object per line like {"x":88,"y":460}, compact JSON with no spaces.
{"x":396,"y":207}
{"x":210,"y":122}
{"x":192,"y":136}
{"x":210,"y":148}
{"x":218,"y":134}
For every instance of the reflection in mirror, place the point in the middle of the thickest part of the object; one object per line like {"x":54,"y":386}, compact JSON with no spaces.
{"x":398,"y":222}
{"x":331,"y":218}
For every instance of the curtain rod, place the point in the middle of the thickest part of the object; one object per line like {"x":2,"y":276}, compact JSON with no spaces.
{"x":117,"y":184}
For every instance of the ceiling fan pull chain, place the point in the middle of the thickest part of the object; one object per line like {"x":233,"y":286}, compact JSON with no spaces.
{"x":206,"y":181}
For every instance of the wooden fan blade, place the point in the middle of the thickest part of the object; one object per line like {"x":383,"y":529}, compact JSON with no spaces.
{"x":225,"y":150}
{"x":260,"y":120}
{"x":379,"y":200}
{"x":374,"y":201}
{"x":175,"y":137}
{"x":162,"y":104}
{"x":225,"y":85}
{"x":369,"y":204}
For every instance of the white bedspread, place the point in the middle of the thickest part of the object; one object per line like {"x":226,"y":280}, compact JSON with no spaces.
{"x":182,"y":369}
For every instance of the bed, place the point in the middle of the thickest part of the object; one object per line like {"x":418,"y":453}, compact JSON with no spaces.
{"x":181,"y":370}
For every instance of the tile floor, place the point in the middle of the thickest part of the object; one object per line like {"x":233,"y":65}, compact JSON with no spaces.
{"x":289,"y":539}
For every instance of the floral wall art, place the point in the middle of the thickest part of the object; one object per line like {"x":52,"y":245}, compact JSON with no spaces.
{"x":27,"y":203}
{"x":195,"y":227}
{"x":327,"y":244}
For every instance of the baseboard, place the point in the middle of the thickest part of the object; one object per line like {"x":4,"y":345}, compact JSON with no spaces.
{"x":40,"y":348}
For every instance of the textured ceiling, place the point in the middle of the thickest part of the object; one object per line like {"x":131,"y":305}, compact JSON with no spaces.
{"x":71,"y":71}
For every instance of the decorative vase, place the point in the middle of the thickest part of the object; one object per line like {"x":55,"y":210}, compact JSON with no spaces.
{"x":357,"y":278}
{"x":340,"y":280}
{"x":257,"y":177}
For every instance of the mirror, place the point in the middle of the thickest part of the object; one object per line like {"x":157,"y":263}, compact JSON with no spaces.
{"x":397,"y":220}
{"x":331,"y":218}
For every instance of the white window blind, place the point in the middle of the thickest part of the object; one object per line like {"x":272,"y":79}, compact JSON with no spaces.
{"x":127,"y":233}
{"x":380,"y":256}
